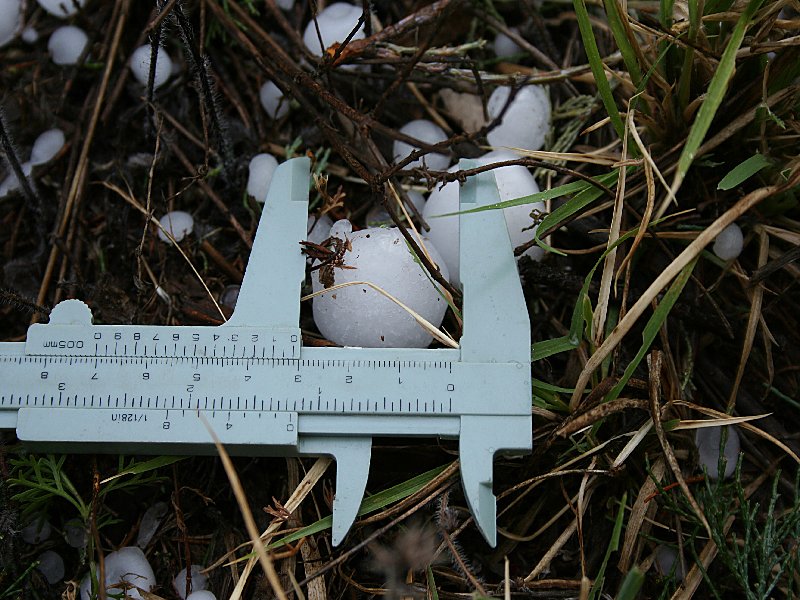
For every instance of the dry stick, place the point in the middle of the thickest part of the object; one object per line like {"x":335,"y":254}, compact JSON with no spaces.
{"x":752,"y":322}
{"x":668,"y":274}
{"x":654,"y":363}
{"x":247,"y":515}
{"x":81,"y":172}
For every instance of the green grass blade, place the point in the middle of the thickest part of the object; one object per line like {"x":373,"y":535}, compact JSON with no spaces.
{"x":620,"y":33}
{"x":431,"y":584}
{"x":146,"y":466}
{"x":368,"y":505}
{"x":596,"y":64}
{"x":716,"y":93}
{"x":743,"y":171}
{"x":613,"y":546}
{"x":546,"y":348}
{"x":653,"y":325}
{"x":633,"y":582}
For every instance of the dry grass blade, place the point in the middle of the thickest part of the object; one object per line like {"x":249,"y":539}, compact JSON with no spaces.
{"x":241,"y":499}
{"x":667,"y":275}
{"x":642,"y":510}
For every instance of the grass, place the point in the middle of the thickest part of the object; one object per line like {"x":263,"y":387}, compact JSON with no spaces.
{"x":671,"y":120}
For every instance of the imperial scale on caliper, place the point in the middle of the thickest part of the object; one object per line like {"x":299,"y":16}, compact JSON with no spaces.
{"x":75,"y":386}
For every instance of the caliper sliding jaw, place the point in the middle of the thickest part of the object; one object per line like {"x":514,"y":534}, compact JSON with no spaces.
{"x":75,"y":386}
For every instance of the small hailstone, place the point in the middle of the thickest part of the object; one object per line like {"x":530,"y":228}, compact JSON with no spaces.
{"x":318,"y":228}
{"x":228,"y":298}
{"x":151,"y":521}
{"x":61,"y":8}
{"x":335,"y":24}
{"x":29,"y":35}
{"x":75,"y":533}
{"x":201,"y":595}
{"x":46,"y":146}
{"x":527,"y":120}
{"x":667,"y":563}
{"x":504,"y":45}
{"x":178,"y":223}
{"x":9,"y":20}
{"x":359,"y":315}
{"x":513,"y":182}
{"x":199,"y":581}
{"x":273,"y":100}
{"x":140,"y":66}
{"x":36,"y":531}
{"x":127,"y":565}
{"x":51,"y":565}
{"x":66,"y":44}
{"x":465,"y":108}
{"x":729,"y":243}
{"x":707,"y":440}
{"x":425,"y":131}
{"x":262,"y":168}
{"x":11,"y":183}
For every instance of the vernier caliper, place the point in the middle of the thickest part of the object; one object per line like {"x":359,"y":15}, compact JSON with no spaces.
{"x":75,"y":386}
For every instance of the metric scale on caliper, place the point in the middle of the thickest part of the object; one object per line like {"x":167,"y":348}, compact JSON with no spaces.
{"x":75,"y":386}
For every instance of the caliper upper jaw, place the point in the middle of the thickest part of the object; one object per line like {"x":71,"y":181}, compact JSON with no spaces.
{"x":352,"y":455}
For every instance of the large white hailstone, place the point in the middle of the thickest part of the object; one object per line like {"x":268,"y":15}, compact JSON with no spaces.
{"x":274,"y":102}
{"x":11,"y":183}
{"x":75,"y":533}
{"x":151,"y":521}
{"x":504,"y":45}
{"x":667,"y":563}
{"x":425,"y":131}
{"x":318,"y":228}
{"x":359,"y":315}
{"x":199,"y":581}
{"x":262,"y":168}
{"x":36,"y":531}
{"x":66,"y":44}
{"x":707,"y":440}
{"x":201,"y":595}
{"x":51,"y":565}
{"x":513,"y":182}
{"x":178,"y":223}
{"x":527,"y":120}
{"x":335,"y":24}
{"x":61,"y":8}
{"x":140,"y":65}
{"x":729,"y":243}
{"x":9,"y":20}
{"x":125,"y":566}
{"x":46,"y":146}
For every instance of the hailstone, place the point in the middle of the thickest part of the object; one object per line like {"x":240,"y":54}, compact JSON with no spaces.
{"x":51,"y":565}
{"x":178,"y":223}
{"x":262,"y":168}
{"x":729,"y":243}
{"x":273,"y":100}
{"x":526,"y":121}
{"x":140,"y":65}
{"x":199,"y":581}
{"x":425,"y":131}
{"x":318,"y":228}
{"x":513,"y":182}
{"x":707,"y":440}
{"x":335,"y":24}
{"x":66,"y":44}
{"x":127,"y":566}
{"x":9,"y":20}
{"x":61,"y":8}
{"x":46,"y":146}
{"x":358,"y":315}
{"x":504,"y":45}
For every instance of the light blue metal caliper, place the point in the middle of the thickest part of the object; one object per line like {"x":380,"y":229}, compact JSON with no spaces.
{"x":74,"y":386}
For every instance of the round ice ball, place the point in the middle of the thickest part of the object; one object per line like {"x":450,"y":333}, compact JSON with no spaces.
{"x":426,"y":131}
{"x":273,"y":100}
{"x":504,"y":45}
{"x":51,"y":565}
{"x":124,"y":568}
{"x":729,"y":243}
{"x":513,"y":182}
{"x":36,"y":531}
{"x":201,"y":595}
{"x":707,"y":440}
{"x":11,"y":183}
{"x":29,"y":35}
{"x":199,"y":581}
{"x":151,"y":521}
{"x":140,"y":66}
{"x":360,"y":316}
{"x":66,"y":44}
{"x":46,"y":146}
{"x":262,"y":168}
{"x":526,"y":122}
{"x":318,"y":228}
{"x":61,"y":8}
{"x":335,"y":24}
{"x":75,"y":533}
{"x":9,"y":20}
{"x":178,"y":223}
